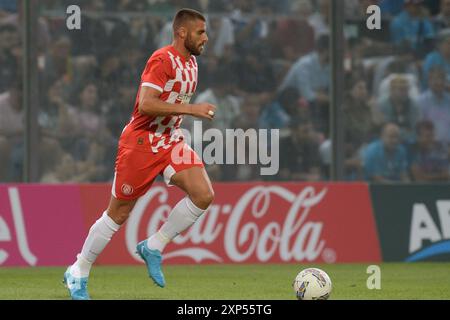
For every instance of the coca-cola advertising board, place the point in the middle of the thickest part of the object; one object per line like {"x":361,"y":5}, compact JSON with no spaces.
{"x":40,"y":225}
{"x":247,"y":223}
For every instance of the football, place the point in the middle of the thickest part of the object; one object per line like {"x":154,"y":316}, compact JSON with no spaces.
{"x":312,"y":284}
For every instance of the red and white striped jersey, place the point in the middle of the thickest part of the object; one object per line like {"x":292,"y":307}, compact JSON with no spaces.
{"x":168,"y":72}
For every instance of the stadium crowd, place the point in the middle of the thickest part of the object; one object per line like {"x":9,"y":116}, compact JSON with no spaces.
{"x":267,"y":66}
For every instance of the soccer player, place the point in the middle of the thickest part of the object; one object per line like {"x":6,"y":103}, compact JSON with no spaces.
{"x":152,"y":144}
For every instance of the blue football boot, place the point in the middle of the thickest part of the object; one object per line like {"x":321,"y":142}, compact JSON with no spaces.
{"x":77,"y":286}
{"x":153,"y":260}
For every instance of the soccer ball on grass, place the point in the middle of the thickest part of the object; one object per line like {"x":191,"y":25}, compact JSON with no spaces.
{"x":312,"y":284}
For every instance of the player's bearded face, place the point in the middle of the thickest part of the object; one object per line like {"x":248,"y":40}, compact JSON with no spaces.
{"x":196,"y":39}
{"x":192,"y":46}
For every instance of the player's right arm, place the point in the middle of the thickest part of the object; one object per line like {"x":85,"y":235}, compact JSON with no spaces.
{"x":151,"y":105}
{"x":158,"y":71}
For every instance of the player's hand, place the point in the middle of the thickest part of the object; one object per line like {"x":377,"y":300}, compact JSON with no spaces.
{"x":203,"y":110}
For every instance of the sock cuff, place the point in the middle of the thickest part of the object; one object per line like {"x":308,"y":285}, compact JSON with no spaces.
{"x":110,"y":222}
{"x":193,"y":208}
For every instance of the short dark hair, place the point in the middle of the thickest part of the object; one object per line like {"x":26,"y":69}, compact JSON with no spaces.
{"x":184,"y":15}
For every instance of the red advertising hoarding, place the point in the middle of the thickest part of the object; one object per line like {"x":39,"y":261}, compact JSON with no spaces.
{"x":39,"y":225}
{"x":247,"y":223}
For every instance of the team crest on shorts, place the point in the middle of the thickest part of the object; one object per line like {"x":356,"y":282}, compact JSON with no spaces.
{"x":127,"y":189}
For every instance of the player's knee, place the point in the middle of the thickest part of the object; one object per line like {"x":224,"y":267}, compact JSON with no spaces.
{"x":203,"y":199}
{"x":120,"y":214}
{"x":121,"y":217}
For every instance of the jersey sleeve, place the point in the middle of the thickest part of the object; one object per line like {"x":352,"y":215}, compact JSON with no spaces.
{"x":156,"y":73}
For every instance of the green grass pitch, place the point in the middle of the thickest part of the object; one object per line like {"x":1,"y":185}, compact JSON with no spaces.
{"x":225,"y":282}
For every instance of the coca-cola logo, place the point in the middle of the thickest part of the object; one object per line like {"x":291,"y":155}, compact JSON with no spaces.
{"x":244,"y":229}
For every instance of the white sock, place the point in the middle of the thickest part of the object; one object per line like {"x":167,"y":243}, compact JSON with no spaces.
{"x":99,"y":235}
{"x":183,"y":215}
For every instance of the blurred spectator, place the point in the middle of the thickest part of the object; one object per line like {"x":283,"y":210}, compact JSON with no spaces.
{"x":117,"y":112}
{"x":303,"y":162}
{"x":320,"y":20}
{"x":310,"y":75}
{"x":208,"y":66}
{"x":11,"y":131}
{"x":353,"y":8}
{"x":11,"y":137}
{"x":85,"y":123}
{"x":402,"y":61}
{"x":279,"y":113}
{"x":69,"y":170}
{"x":358,"y":127}
{"x":57,"y":62}
{"x":228,"y":105}
{"x":221,"y":35}
{"x":391,"y":7}
{"x":428,"y":158}
{"x":11,"y":14}
{"x":249,"y":114}
{"x":399,"y":108}
{"x":254,"y":72}
{"x":435,"y":104}
{"x":86,"y":114}
{"x":4,"y":158}
{"x":9,"y":39}
{"x":442,"y":20}
{"x":109,"y":76}
{"x":11,"y":120}
{"x":136,"y":31}
{"x":432,"y":7}
{"x":49,"y":117}
{"x":165,"y":35}
{"x":385,"y":160}
{"x":412,"y":81}
{"x":440,"y":57}
{"x":92,"y":38}
{"x":249,"y":26}
{"x":122,"y":67}
{"x":288,"y":30}
{"x":326,"y":155}
{"x":413,"y":28}
{"x":247,"y":119}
